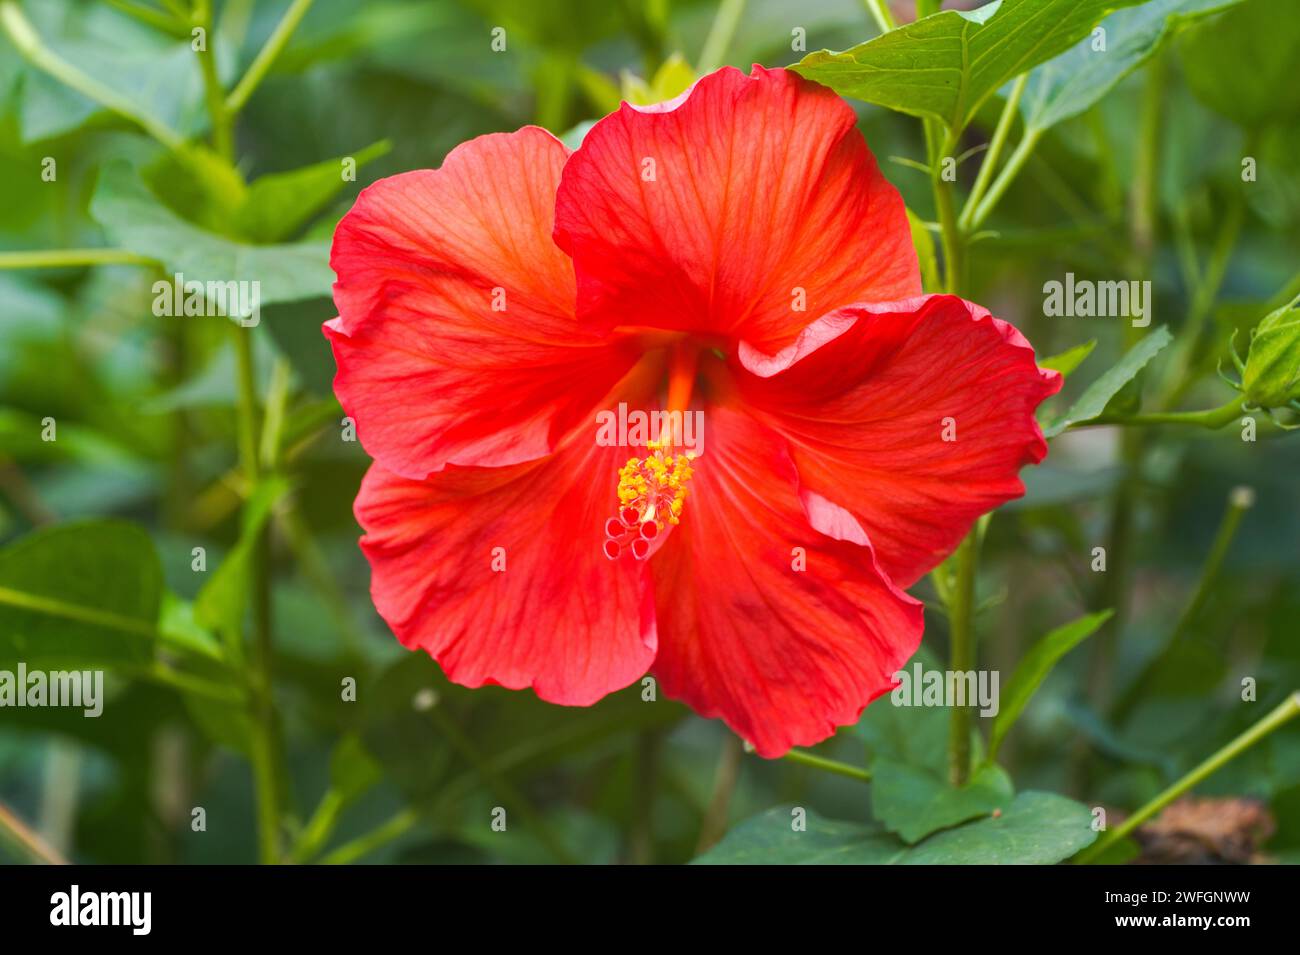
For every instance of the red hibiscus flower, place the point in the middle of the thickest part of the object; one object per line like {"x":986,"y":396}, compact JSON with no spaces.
{"x":735,"y":252}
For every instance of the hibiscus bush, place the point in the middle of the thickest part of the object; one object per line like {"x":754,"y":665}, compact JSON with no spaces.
{"x":666,"y":431}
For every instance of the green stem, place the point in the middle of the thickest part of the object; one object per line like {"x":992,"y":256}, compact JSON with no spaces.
{"x":1285,"y":712}
{"x":266,"y":747}
{"x":1213,"y":418}
{"x":71,"y":258}
{"x":827,"y":765}
{"x":261,"y":64}
{"x":990,"y":163}
{"x":394,"y":828}
{"x":961,"y":655}
{"x":879,"y":10}
{"x":950,"y":231}
{"x":319,"y":828}
{"x":222,"y":134}
{"x":28,"y":42}
{"x":716,"y":43}
{"x":1015,"y":162}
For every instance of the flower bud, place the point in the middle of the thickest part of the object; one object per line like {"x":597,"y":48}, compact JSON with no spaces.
{"x":1272,"y":375}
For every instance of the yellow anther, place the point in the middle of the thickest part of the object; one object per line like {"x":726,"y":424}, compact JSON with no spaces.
{"x":655,"y":486}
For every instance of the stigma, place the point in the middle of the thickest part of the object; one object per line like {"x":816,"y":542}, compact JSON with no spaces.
{"x":651,"y":495}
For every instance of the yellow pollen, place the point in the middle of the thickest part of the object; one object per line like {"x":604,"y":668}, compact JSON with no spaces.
{"x":656,"y":483}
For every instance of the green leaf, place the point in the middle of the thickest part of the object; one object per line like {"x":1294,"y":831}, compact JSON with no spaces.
{"x":771,"y":839}
{"x":153,"y":72}
{"x":83,"y":594}
{"x":1033,"y":669}
{"x":1094,"y":400}
{"x":1069,"y":360}
{"x":279,"y":204}
{"x":948,"y":64}
{"x":138,"y":222}
{"x":220,"y":604}
{"x":198,"y":184}
{"x":1070,"y":84}
{"x":1242,"y":65}
{"x":915,"y":802}
{"x":1035,"y":829}
{"x":915,"y":736}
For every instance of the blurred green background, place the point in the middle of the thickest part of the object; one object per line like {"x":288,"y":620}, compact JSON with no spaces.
{"x":145,"y":467}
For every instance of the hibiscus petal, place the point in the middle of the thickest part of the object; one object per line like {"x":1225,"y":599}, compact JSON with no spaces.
{"x":783,"y":655}
{"x":560,"y":617}
{"x":865,"y":397}
{"x":456,"y":340}
{"x":744,"y":208}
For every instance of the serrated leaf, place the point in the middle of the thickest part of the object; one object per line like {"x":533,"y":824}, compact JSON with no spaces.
{"x":1035,"y":829}
{"x":1077,"y":79}
{"x":948,"y":64}
{"x":1099,"y":394}
{"x":1033,"y":669}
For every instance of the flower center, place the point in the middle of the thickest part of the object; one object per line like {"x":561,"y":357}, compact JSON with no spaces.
{"x":651,"y":492}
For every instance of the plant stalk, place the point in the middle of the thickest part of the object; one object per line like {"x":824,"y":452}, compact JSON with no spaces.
{"x":1284,"y":713}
